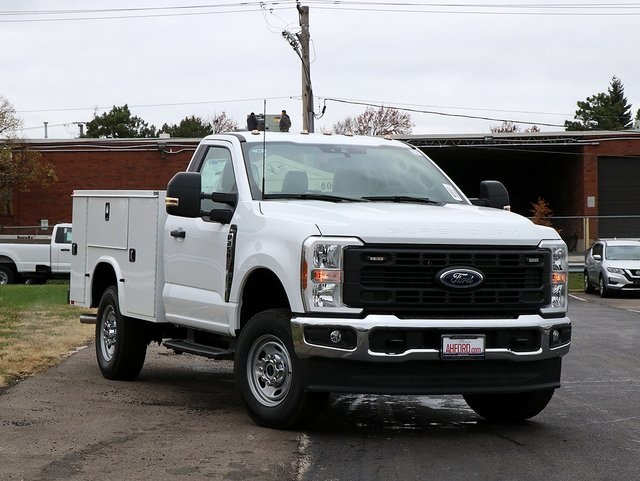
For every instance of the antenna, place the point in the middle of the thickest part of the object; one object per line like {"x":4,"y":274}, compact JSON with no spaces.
{"x":264,"y":147}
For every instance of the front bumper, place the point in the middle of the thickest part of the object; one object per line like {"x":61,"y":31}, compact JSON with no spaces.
{"x":621,"y":282}
{"x":361,"y":365}
{"x":361,"y":330}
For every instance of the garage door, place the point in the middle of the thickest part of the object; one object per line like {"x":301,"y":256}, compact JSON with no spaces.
{"x":619,"y":195}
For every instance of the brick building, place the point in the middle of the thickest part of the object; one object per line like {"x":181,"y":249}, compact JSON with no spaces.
{"x":96,"y":164}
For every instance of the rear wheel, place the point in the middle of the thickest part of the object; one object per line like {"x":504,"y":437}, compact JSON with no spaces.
{"x":509,"y":407}
{"x":269,"y":376}
{"x":7,"y":274}
{"x":121,"y":344}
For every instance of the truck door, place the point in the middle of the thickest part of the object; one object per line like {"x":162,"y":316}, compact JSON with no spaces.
{"x":195,"y":252}
{"x":61,"y":250}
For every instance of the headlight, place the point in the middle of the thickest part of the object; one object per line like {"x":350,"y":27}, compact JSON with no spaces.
{"x":322,"y":273}
{"x":559,"y":275}
{"x":615,"y":270}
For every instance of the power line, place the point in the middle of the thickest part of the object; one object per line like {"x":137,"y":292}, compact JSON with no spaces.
{"x":548,"y":9}
{"x":444,"y":114}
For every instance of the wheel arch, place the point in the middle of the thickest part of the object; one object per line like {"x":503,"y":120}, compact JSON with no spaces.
{"x":104,"y":275}
{"x":262,"y":290}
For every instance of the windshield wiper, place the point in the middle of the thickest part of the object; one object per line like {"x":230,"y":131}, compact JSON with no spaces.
{"x":402,"y":198}
{"x":327,"y":197}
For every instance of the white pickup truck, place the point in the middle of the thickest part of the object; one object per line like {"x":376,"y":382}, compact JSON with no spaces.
{"x":326,"y":264}
{"x":36,"y":258}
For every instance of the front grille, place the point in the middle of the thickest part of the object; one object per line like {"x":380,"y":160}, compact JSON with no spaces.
{"x":405,"y":281}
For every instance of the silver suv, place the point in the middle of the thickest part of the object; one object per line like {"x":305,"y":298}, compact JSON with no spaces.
{"x":612,"y":266}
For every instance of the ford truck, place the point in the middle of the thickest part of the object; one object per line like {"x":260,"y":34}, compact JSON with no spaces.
{"x":35,"y":258}
{"x":326,"y":264}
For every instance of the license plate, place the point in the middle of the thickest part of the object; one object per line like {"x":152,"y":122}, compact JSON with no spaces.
{"x":462,"y":347}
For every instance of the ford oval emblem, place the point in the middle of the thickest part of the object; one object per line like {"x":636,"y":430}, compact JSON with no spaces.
{"x":461,"y":278}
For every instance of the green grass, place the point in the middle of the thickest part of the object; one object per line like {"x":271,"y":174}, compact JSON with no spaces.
{"x":22,"y":296}
{"x":575,"y":281}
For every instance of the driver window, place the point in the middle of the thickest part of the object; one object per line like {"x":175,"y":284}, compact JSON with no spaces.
{"x":217,"y":175}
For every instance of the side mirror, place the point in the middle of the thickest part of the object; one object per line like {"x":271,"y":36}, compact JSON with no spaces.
{"x":492,"y":194}
{"x":183,"y":195}
{"x":597,"y":257}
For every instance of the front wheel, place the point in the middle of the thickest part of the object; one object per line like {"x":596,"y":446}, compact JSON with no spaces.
{"x":121,"y":344}
{"x":604,"y":290}
{"x":269,"y":376}
{"x":7,"y":274}
{"x":588,"y":288}
{"x":509,"y":407}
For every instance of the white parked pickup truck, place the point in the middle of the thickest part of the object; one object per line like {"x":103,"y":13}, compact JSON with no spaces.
{"x":326,"y":264}
{"x":36,"y":258}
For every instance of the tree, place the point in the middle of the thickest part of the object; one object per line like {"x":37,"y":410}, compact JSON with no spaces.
{"x":509,"y":127}
{"x":380,"y":121}
{"x":542,"y":213}
{"x":20,"y":168}
{"x":119,"y":123}
{"x":190,"y":127}
{"x":603,"y":111}
{"x":222,"y":123}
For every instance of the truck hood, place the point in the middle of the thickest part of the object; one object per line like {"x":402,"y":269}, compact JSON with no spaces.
{"x":384,"y":222}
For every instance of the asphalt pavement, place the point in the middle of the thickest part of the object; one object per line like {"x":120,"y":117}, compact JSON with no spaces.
{"x":182,"y":420}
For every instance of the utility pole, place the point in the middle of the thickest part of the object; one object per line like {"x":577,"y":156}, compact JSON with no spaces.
{"x":307,"y":93}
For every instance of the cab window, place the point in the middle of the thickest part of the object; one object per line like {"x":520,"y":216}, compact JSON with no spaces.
{"x":217,"y":175}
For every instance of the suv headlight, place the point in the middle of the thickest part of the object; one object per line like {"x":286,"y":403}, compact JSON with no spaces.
{"x":559,"y":277}
{"x":615,"y":270}
{"x":322,"y":273}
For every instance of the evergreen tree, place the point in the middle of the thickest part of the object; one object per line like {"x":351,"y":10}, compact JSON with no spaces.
{"x":603,"y":111}
{"x":190,"y":127}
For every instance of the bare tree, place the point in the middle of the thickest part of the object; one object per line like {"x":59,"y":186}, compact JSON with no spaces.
{"x":380,"y":121}
{"x":20,"y":168}
{"x":9,"y":123}
{"x":509,"y":127}
{"x":222,"y":123}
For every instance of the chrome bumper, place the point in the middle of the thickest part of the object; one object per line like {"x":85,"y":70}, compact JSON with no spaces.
{"x":363,"y":327}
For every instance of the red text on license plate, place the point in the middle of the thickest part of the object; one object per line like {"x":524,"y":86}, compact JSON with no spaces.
{"x":462,"y":347}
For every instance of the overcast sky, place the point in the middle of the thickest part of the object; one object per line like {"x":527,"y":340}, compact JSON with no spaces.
{"x":473,"y":58}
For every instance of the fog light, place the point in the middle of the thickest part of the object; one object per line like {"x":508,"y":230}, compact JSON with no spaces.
{"x":336,"y":337}
{"x":555,"y":336}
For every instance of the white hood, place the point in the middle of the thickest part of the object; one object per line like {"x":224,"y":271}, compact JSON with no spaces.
{"x":387,"y":222}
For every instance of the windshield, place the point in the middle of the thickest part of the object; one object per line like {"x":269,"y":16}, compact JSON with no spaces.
{"x":351,"y":172}
{"x":623,"y":253}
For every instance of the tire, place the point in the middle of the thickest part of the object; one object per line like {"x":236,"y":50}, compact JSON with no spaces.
{"x":509,"y":407}
{"x":588,"y":288}
{"x":604,"y":291}
{"x":7,"y":274}
{"x":121,"y":344}
{"x":269,"y":376}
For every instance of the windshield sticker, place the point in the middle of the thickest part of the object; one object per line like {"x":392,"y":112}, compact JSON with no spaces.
{"x":452,"y":191}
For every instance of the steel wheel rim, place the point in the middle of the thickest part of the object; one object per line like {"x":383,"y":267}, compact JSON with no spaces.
{"x":586,"y":282}
{"x":269,"y":370}
{"x":4,"y":278}
{"x":108,"y":332}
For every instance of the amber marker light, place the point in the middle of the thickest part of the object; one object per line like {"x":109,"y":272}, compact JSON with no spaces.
{"x":559,"y":277}
{"x":303,"y":274}
{"x":323,"y":276}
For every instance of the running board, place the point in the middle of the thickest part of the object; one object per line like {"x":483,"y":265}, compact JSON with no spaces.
{"x":181,"y":345}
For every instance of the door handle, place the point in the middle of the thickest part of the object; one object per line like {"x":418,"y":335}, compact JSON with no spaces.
{"x":178,"y":233}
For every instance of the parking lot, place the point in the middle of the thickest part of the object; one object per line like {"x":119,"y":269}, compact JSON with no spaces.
{"x":183,"y":421}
